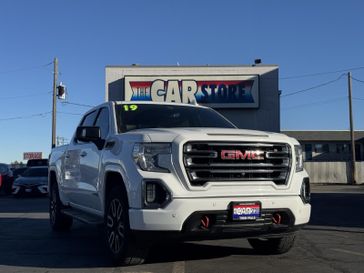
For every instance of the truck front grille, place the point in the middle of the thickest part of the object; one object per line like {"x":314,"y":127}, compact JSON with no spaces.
{"x":243,"y":161}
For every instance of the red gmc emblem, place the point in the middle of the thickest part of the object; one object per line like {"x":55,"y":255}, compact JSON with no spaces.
{"x":243,"y":155}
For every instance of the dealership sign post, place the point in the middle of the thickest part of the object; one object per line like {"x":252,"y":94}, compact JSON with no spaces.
{"x":32,"y":155}
{"x":235,"y":91}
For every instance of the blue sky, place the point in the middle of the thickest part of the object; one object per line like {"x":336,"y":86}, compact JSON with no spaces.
{"x":302,"y":37}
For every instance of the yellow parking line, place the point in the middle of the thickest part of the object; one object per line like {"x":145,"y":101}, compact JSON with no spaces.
{"x":348,"y":252}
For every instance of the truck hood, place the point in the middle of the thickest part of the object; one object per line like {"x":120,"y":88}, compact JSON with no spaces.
{"x":170,"y":134}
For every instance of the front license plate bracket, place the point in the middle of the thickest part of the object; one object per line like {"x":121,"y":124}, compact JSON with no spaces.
{"x":245,"y":211}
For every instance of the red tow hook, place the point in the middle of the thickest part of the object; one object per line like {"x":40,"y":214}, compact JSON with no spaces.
{"x":205,"y":222}
{"x":277,"y":218}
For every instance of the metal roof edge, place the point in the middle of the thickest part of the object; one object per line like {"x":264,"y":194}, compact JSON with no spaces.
{"x":320,"y":130}
{"x":190,"y":66}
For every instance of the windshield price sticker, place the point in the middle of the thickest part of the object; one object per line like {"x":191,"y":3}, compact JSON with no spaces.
{"x":130,"y":107}
{"x":246,"y":211}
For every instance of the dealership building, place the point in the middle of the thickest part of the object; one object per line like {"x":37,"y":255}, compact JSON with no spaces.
{"x":246,"y":95}
{"x":327,"y":155}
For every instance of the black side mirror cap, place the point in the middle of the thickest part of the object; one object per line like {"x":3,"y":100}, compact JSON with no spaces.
{"x":88,"y":133}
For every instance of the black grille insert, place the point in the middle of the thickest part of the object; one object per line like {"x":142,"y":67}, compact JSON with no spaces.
{"x":243,"y":161}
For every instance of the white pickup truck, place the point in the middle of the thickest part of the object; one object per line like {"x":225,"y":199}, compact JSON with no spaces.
{"x":151,"y":171}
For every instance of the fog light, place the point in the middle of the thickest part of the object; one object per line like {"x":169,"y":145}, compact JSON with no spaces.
{"x":305,"y":191}
{"x":150,"y":193}
{"x":156,"y":195}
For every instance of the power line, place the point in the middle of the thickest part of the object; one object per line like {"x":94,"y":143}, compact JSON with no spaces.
{"x":357,"y":79}
{"x":312,"y":87}
{"x":26,"y":68}
{"x":68,"y":113}
{"x":358,"y":98}
{"x":27,"y":116}
{"x":78,"y":104}
{"x":25,"y":96}
{"x":321,"y":73}
{"x":315,"y":103}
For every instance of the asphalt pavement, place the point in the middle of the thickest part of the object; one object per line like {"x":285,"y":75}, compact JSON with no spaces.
{"x":332,"y":242}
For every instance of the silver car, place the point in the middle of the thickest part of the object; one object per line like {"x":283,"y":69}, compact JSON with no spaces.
{"x":33,"y":181}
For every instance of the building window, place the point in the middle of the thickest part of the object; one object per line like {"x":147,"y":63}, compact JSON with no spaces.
{"x":358,"y":152}
{"x":321,"y":148}
{"x":342,"y":148}
{"x":308,"y":152}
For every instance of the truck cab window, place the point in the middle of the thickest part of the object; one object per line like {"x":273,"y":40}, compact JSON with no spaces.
{"x":89,"y":119}
{"x":102,"y":121}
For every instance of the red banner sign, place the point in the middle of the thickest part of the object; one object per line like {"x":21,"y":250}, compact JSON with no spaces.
{"x":32,"y":155}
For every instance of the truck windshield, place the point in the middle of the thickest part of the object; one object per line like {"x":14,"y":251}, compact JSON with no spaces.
{"x":138,"y":116}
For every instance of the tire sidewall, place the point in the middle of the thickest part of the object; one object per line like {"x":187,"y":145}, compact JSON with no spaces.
{"x":116,"y":195}
{"x":53,"y":214}
{"x":58,"y":220}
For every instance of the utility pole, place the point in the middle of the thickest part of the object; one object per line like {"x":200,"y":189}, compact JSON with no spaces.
{"x":54,"y":108}
{"x":352,"y":137}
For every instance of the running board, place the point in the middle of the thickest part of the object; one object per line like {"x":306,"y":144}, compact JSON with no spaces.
{"x":83,"y":216}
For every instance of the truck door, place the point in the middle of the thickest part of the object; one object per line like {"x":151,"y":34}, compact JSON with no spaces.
{"x":90,"y":160}
{"x":74,"y":185}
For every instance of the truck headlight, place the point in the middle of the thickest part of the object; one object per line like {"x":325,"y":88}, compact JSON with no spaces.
{"x":151,"y":156}
{"x":299,"y":158}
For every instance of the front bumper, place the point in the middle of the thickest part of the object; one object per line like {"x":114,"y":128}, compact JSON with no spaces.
{"x":33,"y":189}
{"x":176,"y":216}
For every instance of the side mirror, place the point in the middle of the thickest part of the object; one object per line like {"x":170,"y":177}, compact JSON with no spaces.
{"x":88,"y":133}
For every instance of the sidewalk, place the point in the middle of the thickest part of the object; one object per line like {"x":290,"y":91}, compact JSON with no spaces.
{"x":330,"y":188}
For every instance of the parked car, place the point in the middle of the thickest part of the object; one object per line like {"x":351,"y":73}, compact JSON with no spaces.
{"x":6,"y":178}
{"x":33,"y":181}
{"x":18,"y":172}
{"x":37,"y":162}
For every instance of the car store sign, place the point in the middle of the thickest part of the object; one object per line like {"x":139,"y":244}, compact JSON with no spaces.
{"x":32,"y":155}
{"x":238,"y":91}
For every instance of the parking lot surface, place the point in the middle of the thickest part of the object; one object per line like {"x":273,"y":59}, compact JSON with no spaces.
{"x":332,"y":242}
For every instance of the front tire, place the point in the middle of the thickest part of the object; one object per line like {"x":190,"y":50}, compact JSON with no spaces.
{"x":122,"y":246}
{"x":273,"y":245}
{"x":58,"y":220}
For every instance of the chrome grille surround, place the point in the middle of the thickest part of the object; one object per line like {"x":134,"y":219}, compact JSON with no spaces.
{"x":237,"y":161}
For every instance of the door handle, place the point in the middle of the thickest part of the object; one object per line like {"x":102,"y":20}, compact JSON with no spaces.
{"x":83,"y":154}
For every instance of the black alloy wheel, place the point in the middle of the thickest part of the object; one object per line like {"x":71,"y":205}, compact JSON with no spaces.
{"x":115,"y":226}
{"x":122,"y":246}
{"x":58,"y":220}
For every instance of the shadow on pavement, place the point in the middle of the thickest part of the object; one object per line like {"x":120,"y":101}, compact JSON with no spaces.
{"x":23,"y":204}
{"x":337,"y":210}
{"x":193,"y":251}
{"x":30,"y":243}
{"x":26,"y":240}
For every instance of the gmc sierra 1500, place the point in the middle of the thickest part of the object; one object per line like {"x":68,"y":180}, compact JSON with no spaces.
{"x":182,"y":171}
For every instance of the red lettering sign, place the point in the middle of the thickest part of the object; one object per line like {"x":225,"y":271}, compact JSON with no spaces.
{"x":32,"y":155}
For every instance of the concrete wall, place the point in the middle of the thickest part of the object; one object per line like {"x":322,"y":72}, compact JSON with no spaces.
{"x":333,"y":172}
{"x":265,"y":117}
